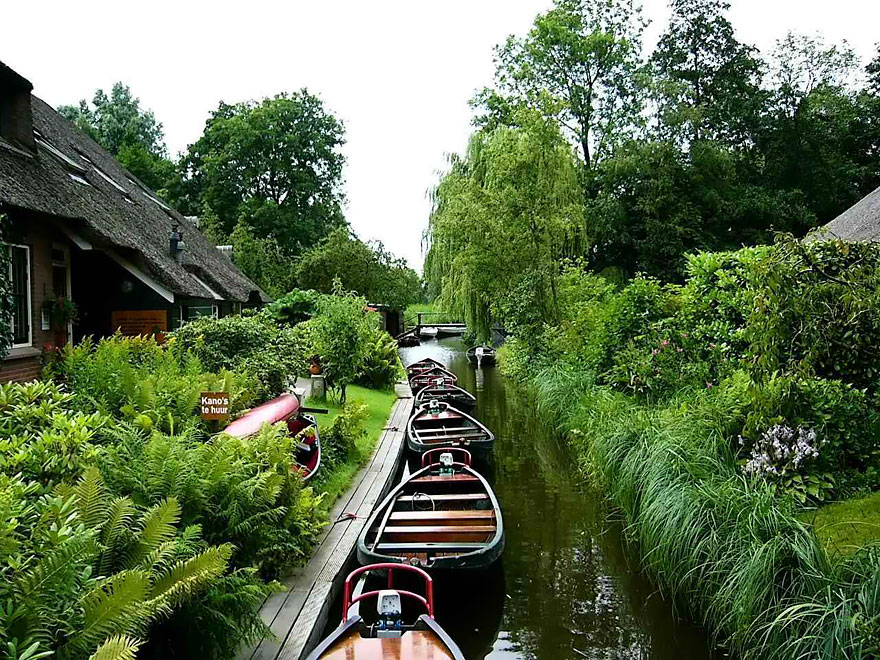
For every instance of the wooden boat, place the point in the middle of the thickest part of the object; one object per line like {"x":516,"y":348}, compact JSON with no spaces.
{"x":457,"y":397}
{"x":388,"y":638}
{"x":435,"y":376}
{"x":445,"y":516}
{"x":428,"y":332}
{"x":286,"y":408}
{"x":407,"y":340}
{"x":450,"y":331}
{"x":423,"y":365}
{"x":482,"y":356}
{"x":437,"y":424}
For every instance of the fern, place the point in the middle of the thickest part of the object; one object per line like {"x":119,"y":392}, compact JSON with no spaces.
{"x":156,"y":527}
{"x":48,"y":571}
{"x":118,"y":647}
{"x":91,"y":498}
{"x":187,"y":577}
{"x":118,"y":605}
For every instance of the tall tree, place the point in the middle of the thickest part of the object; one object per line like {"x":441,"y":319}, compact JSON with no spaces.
{"x":579,"y":65}
{"x":707,"y":81}
{"x":119,"y":124}
{"x":873,"y":71}
{"x":504,"y":216}
{"x":275,"y":163}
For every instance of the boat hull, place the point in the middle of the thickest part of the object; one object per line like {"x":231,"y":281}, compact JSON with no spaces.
{"x":457,"y":397}
{"x":461,"y":531}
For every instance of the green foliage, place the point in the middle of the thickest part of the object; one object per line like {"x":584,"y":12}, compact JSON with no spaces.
{"x":238,"y":491}
{"x":137,"y":379}
{"x":381,"y":367}
{"x":340,"y":441}
{"x":275,"y":163}
{"x":262,"y":260}
{"x":80,"y":580}
{"x":342,"y":333}
{"x":129,"y":133}
{"x":846,"y":527}
{"x":253,"y":345}
{"x":368,"y":270}
{"x":293,"y":307}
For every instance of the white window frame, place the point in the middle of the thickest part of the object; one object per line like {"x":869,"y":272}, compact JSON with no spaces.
{"x":30,"y":294}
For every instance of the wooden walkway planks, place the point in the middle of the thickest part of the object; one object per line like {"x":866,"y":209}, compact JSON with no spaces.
{"x":298,"y":615}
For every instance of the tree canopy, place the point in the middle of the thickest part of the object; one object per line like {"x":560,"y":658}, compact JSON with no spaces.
{"x":703,"y":144}
{"x":275,"y":163}
{"x":367,"y":269}
{"x":133,"y":135}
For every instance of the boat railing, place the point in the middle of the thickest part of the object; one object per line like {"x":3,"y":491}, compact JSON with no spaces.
{"x":427,"y":601}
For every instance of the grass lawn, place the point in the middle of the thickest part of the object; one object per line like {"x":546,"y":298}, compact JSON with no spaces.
{"x":844,"y":527}
{"x":379,"y":404}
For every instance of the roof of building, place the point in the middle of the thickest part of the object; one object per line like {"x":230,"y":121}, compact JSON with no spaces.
{"x":860,"y":222}
{"x":74,"y":179}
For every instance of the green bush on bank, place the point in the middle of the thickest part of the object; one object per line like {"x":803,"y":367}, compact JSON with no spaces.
{"x":673,"y":396}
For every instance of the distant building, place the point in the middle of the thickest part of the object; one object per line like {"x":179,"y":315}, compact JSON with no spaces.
{"x":860,"y":222}
{"x":84,"y":228}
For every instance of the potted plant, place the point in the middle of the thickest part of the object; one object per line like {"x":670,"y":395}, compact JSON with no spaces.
{"x":315,"y":366}
{"x":62,"y":312}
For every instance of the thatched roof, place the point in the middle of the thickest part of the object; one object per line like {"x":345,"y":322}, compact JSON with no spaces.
{"x":122,"y":215}
{"x":860,"y":222}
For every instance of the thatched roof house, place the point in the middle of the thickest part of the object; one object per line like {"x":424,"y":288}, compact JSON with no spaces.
{"x":86,"y":229}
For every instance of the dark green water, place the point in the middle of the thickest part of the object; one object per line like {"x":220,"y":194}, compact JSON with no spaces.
{"x":565,"y":587}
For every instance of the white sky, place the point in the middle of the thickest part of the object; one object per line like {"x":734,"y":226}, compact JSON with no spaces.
{"x":399,"y":73}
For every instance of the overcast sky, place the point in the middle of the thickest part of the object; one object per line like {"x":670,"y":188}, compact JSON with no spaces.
{"x":398,"y":73}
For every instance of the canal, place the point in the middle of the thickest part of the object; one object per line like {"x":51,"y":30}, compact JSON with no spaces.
{"x":565,"y":587}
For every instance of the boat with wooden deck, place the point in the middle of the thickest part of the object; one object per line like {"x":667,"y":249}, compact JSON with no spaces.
{"x":445,"y":516}
{"x":388,"y":638}
{"x":301,"y":425}
{"x":435,"y":376}
{"x":428,"y":332}
{"x":457,"y":397}
{"x":423,"y":365}
{"x":438,"y":424}
{"x":482,"y":356}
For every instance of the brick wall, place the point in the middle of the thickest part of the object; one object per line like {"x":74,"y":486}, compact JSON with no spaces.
{"x":19,"y":370}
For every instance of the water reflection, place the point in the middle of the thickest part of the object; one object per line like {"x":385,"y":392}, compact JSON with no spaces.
{"x":565,"y":588}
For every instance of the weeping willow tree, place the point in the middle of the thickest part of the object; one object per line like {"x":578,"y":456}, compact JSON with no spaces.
{"x":503,"y":218}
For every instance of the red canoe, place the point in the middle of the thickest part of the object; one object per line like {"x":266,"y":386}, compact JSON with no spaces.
{"x":285,"y":408}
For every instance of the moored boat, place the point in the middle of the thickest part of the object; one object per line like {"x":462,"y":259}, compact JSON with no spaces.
{"x":450,"y":331}
{"x":389,"y":637}
{"x":435,"y":376}
{"x":457,"y":397}
{"x":302,"y":426}
{"x":428,"y":332}
{"x":423,"y":365}
{"x":445,"y":516}
{"x":437,"y":424}
{"x":482,"y":356}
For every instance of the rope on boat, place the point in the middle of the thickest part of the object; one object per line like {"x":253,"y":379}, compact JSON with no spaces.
{"x":416,"y":497}
{"x":348,"y":515}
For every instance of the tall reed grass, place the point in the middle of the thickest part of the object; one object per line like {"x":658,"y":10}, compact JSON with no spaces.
{"x":725,"y":549}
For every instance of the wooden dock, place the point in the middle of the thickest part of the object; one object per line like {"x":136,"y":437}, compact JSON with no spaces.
{"x":298,"y":615}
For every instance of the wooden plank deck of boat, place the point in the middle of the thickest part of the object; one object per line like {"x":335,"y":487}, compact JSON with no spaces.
{"x":298,"y":615}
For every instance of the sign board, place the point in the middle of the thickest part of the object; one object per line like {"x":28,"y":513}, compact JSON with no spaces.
{"x":132,"y":323}
{"x":214,"y":405}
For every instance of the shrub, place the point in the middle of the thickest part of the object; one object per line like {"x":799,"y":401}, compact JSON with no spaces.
{"x":137,"y":379}
{"x":381,"y":366}
{"x":238,"y":490}
{"x":294,"y":307}
{"x":339,"y":443}
{"x":254,"y":345}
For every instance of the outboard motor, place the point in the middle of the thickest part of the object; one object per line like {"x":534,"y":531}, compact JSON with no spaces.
{"x":446,"y":462}
{"x":390,"y":611}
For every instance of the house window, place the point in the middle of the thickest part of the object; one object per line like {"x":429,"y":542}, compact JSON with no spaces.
{"x":196,"y":311}
{"x":20,"y":277}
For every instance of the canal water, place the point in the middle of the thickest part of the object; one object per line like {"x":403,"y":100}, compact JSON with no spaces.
{"x":565,"y":587}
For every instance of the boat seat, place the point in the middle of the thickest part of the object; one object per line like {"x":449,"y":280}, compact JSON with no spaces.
{"x":440,"y":478}
{"x":473,"y":517}
{"x":462,"y":546}
{"x":440,"y":529}
{"x":447,"y":429}
{"x":445,"y":497}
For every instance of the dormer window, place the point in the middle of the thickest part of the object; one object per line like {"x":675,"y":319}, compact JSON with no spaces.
{"x":16,"y":121}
